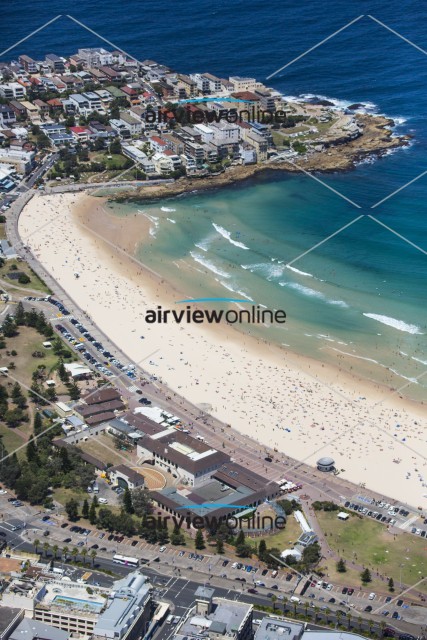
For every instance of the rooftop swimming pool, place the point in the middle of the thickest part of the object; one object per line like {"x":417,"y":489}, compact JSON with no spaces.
{"x":78,"y":603}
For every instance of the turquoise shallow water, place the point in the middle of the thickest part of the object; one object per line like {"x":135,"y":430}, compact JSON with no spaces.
{"x":356,"y":300}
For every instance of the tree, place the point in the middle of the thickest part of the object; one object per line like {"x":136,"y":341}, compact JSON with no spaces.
{"x":31,"y":451}
{"x":72,"y":509}
{"x":244,"y":550}
{"x":74,"y":553}
{"x":262,"y":549}
{"x":391,"y":585}
{"x":141,"y":501}
{"x":273,"y":601}
{"x":45,"y":547}
{"x":36,"y":544}
{"x":365,"y":576}
{"x":24,"y":279}
{"x":20,"y":314}
{"x":9,"y":327}
{"x":177,"y":537}
{"x":65,"y":550}
{"x":92,"y":513}
{"x":93,"y":555}
{"x":240,"y":538}
{"x":55,"y":549}
{"x":341,"y":566}
{"x":199,"y":541}
{"x":127,"y":501}
{"x":74,"y":391}
{"x":83,"y":553}
{"x":219,"y":546}
{"x":38,"y":424}
{"x":62,"y":372}
{"x":85,"y":509}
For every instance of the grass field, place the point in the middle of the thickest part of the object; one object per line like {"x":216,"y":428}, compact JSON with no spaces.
{"x":25,"y":343}
{"x":370,"y":544}
{"x":21,"y":266}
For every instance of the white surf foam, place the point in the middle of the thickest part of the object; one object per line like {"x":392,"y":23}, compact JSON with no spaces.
{"x":396,"y":324}
{"x":266,"y":269}
{"x":301,"y":273}
{"x":312,"y":293}
{"x":167,"y":209}
{"x":171,"y":220}
{"x":227,"y":235}
{"x":209,"y":265}
{"x":230,"y":288}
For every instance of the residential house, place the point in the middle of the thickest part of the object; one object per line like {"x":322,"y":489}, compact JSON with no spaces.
{"x":42,"y":107}
{"x":81,"y":134}
{"x":158,"y":144}
{"x":7,"y":115}
{"x":120,"y":127}
{"x":20,"y":111}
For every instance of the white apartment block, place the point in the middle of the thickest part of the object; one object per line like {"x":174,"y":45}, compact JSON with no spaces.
{"x":12,"y":91}
{"x":206,"y":133}
{"x":225,"y":132}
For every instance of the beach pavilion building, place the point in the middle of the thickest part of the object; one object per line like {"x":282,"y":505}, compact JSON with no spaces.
{"x":326,"y":464}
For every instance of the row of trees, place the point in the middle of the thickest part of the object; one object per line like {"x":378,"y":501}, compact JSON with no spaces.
{"x":65,"y":553}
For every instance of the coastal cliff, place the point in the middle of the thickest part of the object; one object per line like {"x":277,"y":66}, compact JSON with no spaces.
{"x":341,"y":155}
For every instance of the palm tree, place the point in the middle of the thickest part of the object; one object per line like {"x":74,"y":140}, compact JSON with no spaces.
{"x":83,"y":553}
{"x":74,"y":553}
{"x":338,"y":616}
{"x":65,"y":550}
{"x":93,"y":555}
{"x":383,"y":626}
{"x":284,"y":603}
{"x":273,"y":601}
{"x":45,"y":547}
{"x":316,"y":613}
{"x":348,"y":619}
{"x":36,"y":543}
{"x":55,"y":551}
{"x":327,"y":613}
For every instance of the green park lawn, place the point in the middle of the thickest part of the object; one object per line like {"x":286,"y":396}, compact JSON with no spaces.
{"x":371,"y":545}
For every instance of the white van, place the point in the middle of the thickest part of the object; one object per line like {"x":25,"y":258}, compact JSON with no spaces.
{"x":294,"y":599}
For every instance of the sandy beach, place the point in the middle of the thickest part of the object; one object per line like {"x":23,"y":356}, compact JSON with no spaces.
{"x":297,"y":405}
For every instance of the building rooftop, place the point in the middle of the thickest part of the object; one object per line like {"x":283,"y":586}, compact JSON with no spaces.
{"x":226,"y":618}
{"x":275,"y":629}
{"x":34,"y":630}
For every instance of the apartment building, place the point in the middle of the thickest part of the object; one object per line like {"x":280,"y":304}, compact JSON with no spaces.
{"x":55,"y":63}
{"x":95,"y":57}
{"x":12,"y":91}
{"x":225,"y":132}
{"x":243,"y":84}
{"x":131,"y":122}
{"x":28,"y":63}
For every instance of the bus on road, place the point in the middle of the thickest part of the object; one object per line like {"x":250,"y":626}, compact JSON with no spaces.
{"x":130,"y":562}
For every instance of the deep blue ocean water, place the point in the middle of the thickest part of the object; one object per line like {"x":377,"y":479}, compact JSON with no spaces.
{"x":367,"y":267}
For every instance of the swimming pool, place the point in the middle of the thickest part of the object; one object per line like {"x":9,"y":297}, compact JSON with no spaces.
{"x":78,"y":603}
